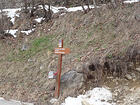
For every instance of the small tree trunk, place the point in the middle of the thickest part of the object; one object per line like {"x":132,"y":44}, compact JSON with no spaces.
{"x":66,"y":2}
{"x":94,"y":3}
{"x":1,"y":19}
{"x":88,"y":5}
{"x":84,"y":9}
{"x":114,"y":3}
{"x":95,"y":6}
{"x":32,"y":9}
{"x":49,"y":12}
{"x":82,"y":4}
{"x":25,"y":5}
{"x":45,"y":14}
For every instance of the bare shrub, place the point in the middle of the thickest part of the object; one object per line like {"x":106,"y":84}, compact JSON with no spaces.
{"x":93,"y":71}
{"x":133,"y":54}
{"x":5,"y":22}
{"x":31,"y":6}
{"x":115,"y":67}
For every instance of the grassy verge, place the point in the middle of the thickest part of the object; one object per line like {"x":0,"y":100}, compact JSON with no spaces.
{"x":36,"y":45}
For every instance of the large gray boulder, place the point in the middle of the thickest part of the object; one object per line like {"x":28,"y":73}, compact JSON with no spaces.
{"x":71,"y":81}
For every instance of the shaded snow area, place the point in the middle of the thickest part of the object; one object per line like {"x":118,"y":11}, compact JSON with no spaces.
{"x":12,"y":13}
{"x":97,"y":96}
{"x":131,"y":1}
{"x":12,"y":32}
{"x":12,"y":102}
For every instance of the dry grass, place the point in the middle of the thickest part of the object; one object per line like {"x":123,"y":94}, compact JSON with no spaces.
{"x":87,"y":35}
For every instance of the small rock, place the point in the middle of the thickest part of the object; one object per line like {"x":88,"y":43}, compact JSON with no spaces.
{"x":134,"y":80}
{"x":31,"y":60}
{"x":138,"y":69}
{"x":41,"y":67}
{"x":133,"y":75}
{"x":24,"y":47}
{"x":137,"y":17}
{"x":128,"y":76}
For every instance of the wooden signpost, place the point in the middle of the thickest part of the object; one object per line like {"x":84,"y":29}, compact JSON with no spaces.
{"x":60,"y":51}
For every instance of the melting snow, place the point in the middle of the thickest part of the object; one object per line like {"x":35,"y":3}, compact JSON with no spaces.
{"x":12,"y":32}
{"x":97,"y":96}
{"x":12,"y":102}
{"x":57,"y":9}
{"x":72,"y":9}
{"x":54,"y":9}
{"x":28,"y":32}
{"x":12,"y":13}
{"x":39,"y":19}
{"x":63,"y":14}
{"x":131,"y":1}
{"x":79,"y":8}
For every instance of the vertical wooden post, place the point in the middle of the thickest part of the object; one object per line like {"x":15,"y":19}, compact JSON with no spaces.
{"x":58,"y":78}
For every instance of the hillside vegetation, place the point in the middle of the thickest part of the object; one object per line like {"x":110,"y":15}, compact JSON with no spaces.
{"x":104,"y":34}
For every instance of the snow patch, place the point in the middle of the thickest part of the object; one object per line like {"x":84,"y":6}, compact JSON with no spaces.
{"x":97,"y":96}
{"x":131,"y":1}
{"x":12,"y":32}
{"x":39,"y":19}
{"x":72,"y":9}
{"x":12,"y":102}
{"x":12,"y":13}
{"x":79,"y":8}
{"x":63,"y":14}
{"x":57,"y":9}
{"x":28,"y":32}
{"x":53,"y":100}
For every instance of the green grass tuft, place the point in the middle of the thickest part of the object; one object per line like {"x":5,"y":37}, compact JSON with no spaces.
{"x":37,"y":45}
